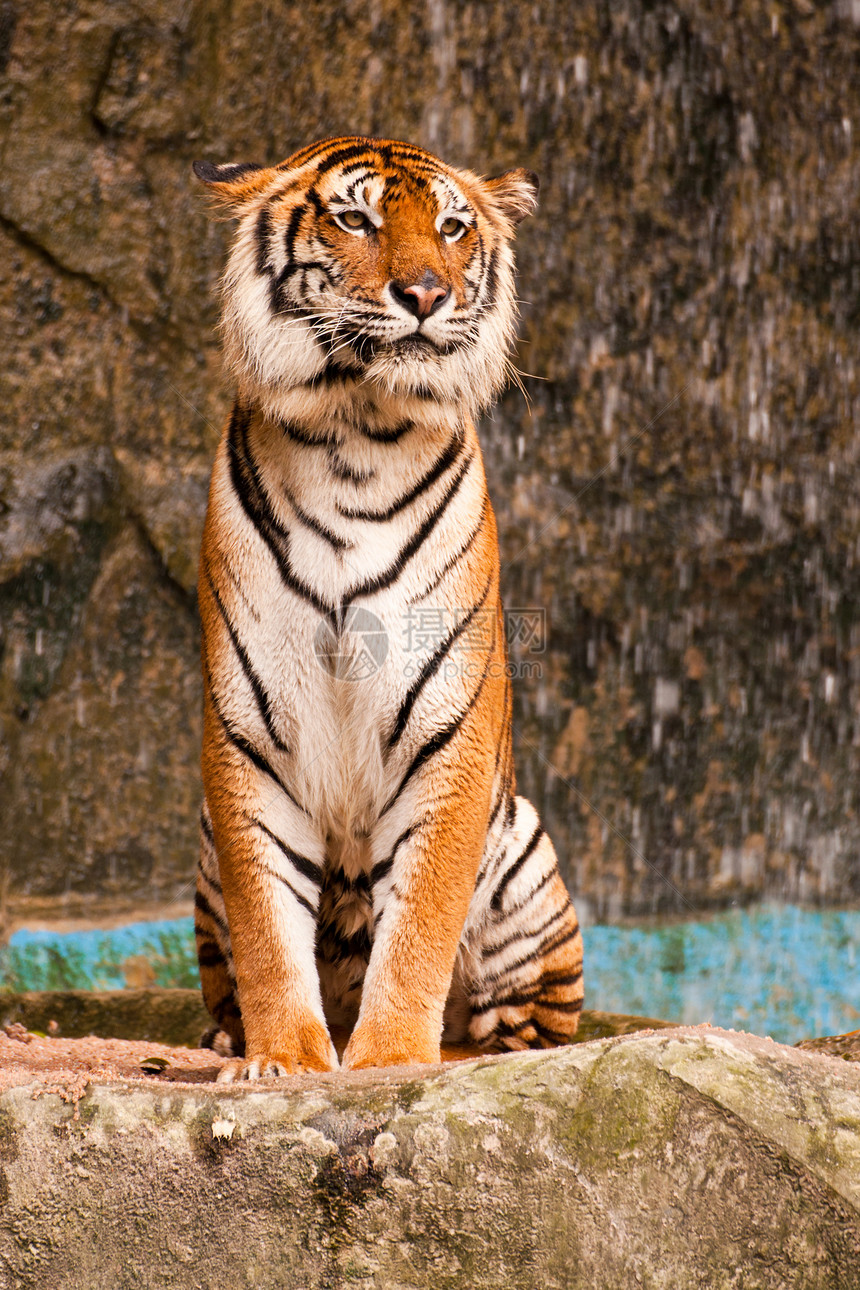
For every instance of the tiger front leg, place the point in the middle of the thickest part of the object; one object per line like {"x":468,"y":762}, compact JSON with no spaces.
{"x":422,"y":886}
{"x":270,"y":891}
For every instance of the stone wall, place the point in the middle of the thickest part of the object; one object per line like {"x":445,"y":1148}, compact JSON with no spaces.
{"x":678,"y":494}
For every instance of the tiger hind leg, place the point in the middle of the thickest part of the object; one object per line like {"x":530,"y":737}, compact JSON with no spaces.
{"x":214,"y":956}
{"x":518,"y":980}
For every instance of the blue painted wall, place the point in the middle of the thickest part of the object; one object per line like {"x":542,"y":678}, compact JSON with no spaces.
{"x":776,"y":970}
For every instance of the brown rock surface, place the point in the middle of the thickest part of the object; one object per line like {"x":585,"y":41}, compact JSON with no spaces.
{"x":679,"y":498}
{"x":683,"y":1158}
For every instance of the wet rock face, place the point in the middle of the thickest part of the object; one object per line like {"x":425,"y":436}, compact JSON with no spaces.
{"x":678,"y":500}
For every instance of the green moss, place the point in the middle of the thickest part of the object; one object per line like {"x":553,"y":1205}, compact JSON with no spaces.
{"x":624,"y":1107}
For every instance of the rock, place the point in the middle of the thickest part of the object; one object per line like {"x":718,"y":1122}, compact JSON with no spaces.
{"x":684,"y":1158}
{"x":845,"y":1046}
{"x":677,"y":500}
{"x":177,"y":1017}
{"x":113,"y":795}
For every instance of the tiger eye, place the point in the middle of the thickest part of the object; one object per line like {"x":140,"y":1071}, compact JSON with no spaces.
{"x":451,"y":227}
{"x":353,"y":219}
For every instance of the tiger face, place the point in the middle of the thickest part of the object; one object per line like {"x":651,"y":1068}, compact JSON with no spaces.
{"x":370,"y":263}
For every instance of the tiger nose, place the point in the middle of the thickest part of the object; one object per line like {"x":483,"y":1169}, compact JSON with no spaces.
{"x":421,"y":298}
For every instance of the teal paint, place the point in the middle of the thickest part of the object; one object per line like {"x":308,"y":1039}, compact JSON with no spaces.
{"x":100,"y":959}
{"x":775,"y":970}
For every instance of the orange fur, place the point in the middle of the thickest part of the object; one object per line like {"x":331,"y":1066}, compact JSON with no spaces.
{"x":304,"y":851}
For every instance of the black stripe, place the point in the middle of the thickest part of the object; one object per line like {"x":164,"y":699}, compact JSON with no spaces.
{"x":555,"y":1037}
{"x":206,"y":827}
{"x":521,"y":934}
{"x":310,"y":522}
{"x":383,"y":868}
{"x":291,"y":232}
{"x":214,"y":174}
{"x":510,"y":874}
{"x":519,"y":999}
{"x":500,"y":799}
{"x":334,"y":373}
{"x":209,"y":955}
{"x":393,"y":572}
{"x":314,"y":199}
{"x":201,"y":904}
{"x":262,"y":238}
{"x":532,"y":994}
{"x":392,"y":435}
{"x":350,"y":170}
{"x":492,"y":278}
{"x":424,"y":392}
{"x":445,"y":459}
{"x":559,"y":1005}
{"x":482,"y":253}
{"x":507,"y":1029}
{"x":334,"y":946}
{"x":550,"y":979}
{"x":455,"y":559}
{"x":273,"y":873}
{"x":342,"y":470}
{"x":249,"y":489}
{"x":263,"y":702}
{"x":297,"y":436}
{"x":437,"y":742}
{"x":302,"y":266}
{"x":548,"y":945}
{"x":278,"y":299}
{"x":341,"y":884}
{"x":431,"y":667}
{"x":225,"y":1007}
{"x":335,"y":159}
{"x":307,"y":868}
{"x":209,"y":880}
{"x":242,"y":745}
{"x":510,"y":812}
{"x":527,"y":900}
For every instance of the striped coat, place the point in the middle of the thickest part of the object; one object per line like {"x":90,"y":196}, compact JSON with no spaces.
{"x":365,"y":861}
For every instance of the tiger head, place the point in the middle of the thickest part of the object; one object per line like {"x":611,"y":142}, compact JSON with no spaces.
{"x":369,"y":265}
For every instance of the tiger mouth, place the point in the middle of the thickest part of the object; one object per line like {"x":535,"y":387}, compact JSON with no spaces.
{"x":413,"y":346}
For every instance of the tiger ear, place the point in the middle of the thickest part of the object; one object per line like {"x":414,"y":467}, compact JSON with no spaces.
{"x":515,"y":193}
{"x":234,"y":184}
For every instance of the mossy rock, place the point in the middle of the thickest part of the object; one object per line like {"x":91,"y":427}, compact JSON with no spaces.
{"x":678,"y":1158}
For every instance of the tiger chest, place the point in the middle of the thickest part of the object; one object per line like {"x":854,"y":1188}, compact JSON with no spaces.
{"x":338,"y":590}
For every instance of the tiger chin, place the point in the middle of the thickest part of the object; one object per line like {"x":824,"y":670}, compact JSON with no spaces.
{"x":365,"y":861}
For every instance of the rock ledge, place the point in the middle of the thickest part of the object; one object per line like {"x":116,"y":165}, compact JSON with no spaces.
{"x":678,"y":1158}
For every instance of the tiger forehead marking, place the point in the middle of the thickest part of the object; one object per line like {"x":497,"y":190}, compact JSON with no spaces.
{"x":371,"y":260}
{"x":402,"y":242}
{"x":365,"y":861}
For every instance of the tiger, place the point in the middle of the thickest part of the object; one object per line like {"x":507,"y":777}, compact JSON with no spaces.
{"x":365,"y":861}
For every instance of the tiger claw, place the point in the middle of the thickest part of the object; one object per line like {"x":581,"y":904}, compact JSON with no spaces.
{"x":254,"y":1068}
{"x":267,"y":1068}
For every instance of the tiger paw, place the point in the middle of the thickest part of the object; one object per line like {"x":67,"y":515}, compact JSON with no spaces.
{"x":397,"y":1044}
{"x":273,"y":1066}
{"x":308,"y":1047}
